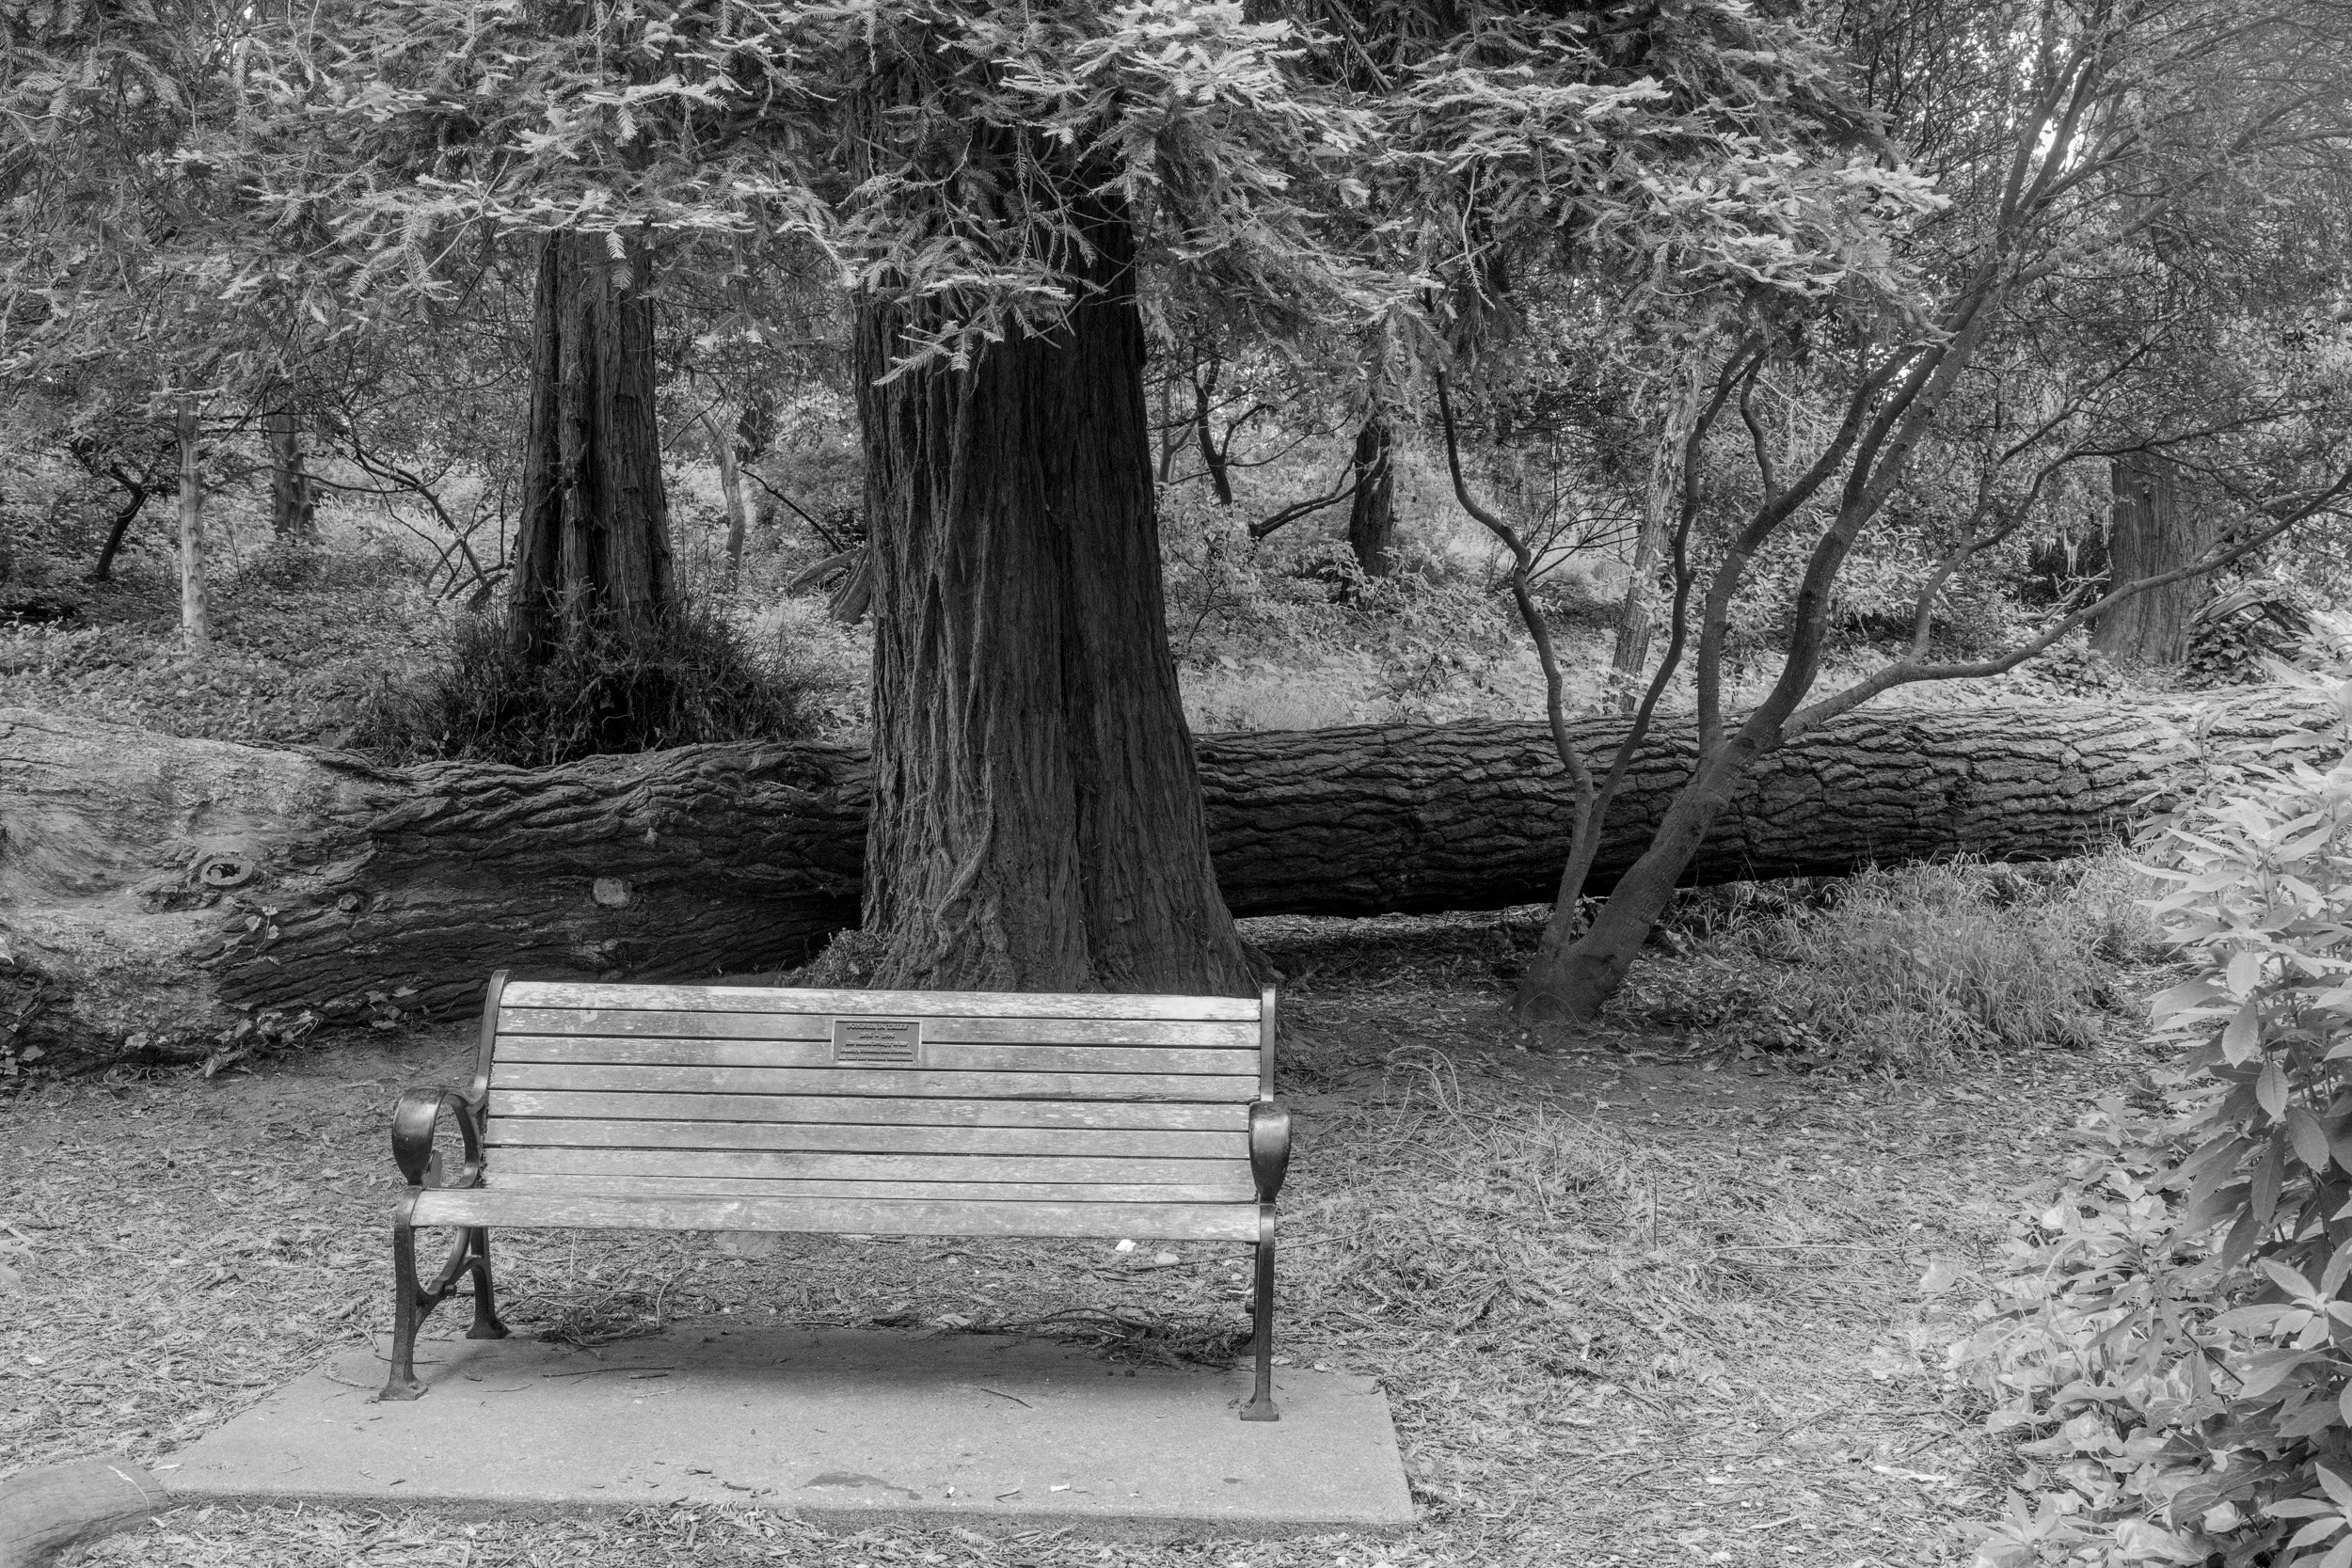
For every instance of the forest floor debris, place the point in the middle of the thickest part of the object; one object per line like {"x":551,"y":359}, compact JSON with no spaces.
{"x":1633,"y":1302}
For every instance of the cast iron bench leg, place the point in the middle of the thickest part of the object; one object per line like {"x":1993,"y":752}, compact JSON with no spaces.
{"x":409,"y":1307}
{"x":1260,"y":1406}
{"x":487,"y":1323}
{"x":413,"y":1302}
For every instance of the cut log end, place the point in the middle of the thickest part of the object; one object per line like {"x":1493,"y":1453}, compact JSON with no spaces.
{"x":44,"y":1511}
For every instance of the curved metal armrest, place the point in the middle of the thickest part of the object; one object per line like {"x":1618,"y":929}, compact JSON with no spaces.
{"x":413,"y":1121}
{"x":1269,"y":1147}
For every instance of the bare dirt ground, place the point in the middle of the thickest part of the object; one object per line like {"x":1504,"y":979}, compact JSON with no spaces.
{"x":1632,"y":1302}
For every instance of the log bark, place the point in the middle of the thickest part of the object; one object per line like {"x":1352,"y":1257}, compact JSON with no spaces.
{"x":155,"y":890}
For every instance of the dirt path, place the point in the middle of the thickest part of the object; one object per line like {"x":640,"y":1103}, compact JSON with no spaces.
{"x":1641,"y":1310}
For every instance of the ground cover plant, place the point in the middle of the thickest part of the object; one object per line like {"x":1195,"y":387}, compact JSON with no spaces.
{"x":2170,"y":1333}
{"x":1650,"y":1300}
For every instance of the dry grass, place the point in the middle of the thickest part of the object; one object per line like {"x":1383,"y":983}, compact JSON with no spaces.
{"x":1925,"y":966}
{"x":1629,"y":1307}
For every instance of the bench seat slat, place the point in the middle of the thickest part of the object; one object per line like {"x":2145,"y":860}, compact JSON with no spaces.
{"x":900,"y":1004}
{"x":885,"y":1083}
{"x":850,"y":1167}
{"x":872,"y":1109}
{"x":937,"y":1056}
{"x":1003,"y":1191}
{"x":474,"y":1206}
{"x":518,"y":1132}
{"x":818,"y":1025}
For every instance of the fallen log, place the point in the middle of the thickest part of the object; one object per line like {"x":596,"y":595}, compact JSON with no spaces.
{"x":155,"y":892}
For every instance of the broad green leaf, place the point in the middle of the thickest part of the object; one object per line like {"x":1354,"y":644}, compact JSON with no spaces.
{"x":2244,"y":1037}
{"x":2245,"y":971}
{"x":2287,"y":1279}
{"x":2300,"y":1508}
{"x":2332,"y":1277}
{"x":2315,"y":1532}
{"x":2309,"y":1138}
{"x":2270,"y":1090}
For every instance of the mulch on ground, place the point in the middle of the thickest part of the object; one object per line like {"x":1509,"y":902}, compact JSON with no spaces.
{"x":1632,"y":1302}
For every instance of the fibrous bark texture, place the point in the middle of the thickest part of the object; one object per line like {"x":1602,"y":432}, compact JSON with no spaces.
{"x":2152,"y":529}
{"x":593,"y":546}
{"x":155,"y":887}
{"x":1037,"y":811}
{"x":1372,"y":508}
{"x":292,"y":503}
{"x":196,"y":620}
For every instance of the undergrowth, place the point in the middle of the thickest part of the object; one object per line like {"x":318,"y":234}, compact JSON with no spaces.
{"x":2171,"y":1337}
{"x":1915,"y":967}
{"x":686,"y":678}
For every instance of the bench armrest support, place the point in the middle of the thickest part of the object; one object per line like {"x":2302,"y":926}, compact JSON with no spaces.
{"x":1269,"y":1147}
{"x":413,"y":1121}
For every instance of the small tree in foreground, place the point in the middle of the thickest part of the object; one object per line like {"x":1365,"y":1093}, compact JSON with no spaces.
{"x":2128,"y":119}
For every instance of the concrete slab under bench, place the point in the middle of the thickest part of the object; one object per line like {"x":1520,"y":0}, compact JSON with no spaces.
{"x":836,"y":1425}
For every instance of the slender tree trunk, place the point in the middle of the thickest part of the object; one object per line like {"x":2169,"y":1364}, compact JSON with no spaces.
{"x":1572,"y":984}
{"x":1219,"y":479}
{"x":196,"y":626}
{"x":1638,"y":619}
{"x":1037,"y":816}
{"x":1372,"y":512}
{"x":103,"y":571}
{"x":1171,"y":438}
{"x":292,"y":504}
{"x":730,"y":491}
{"x":593,"y":546}
{"x":2150,"y":532}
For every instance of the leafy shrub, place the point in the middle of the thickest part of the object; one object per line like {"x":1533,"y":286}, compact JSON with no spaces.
{"x":686,"y":678}
{"x":2172,"y":1333}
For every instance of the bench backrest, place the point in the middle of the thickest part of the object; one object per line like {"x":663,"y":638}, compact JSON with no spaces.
{"x":708,"y":1090}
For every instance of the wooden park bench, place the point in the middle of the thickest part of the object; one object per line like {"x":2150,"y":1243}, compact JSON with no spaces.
{"x":612,"y":1107}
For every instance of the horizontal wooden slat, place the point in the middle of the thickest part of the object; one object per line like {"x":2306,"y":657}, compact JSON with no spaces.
{"x":1233,"y":1222}
{"x":813,"y":1137}
{"x":938,"y":1056}
{"x":1002,"y":1192}
{"x":901,"y":1003}
{"x":852,"y":1168}
{"x":888,"y":1083}
{"x":818,"y":1026}
{"x":869,"y":1110}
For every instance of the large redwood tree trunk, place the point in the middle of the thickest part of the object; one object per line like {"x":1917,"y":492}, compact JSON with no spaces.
{"x":593,"y":545}
{"x":1037,"y":818}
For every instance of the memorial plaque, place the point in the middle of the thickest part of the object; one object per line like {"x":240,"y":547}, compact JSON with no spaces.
{"x":877,"y":1041}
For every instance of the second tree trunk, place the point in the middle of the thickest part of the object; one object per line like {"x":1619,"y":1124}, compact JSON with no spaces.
{"x":593,"y":549}
{"x":1371,"y":510}
{"x":2150,"y":533}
